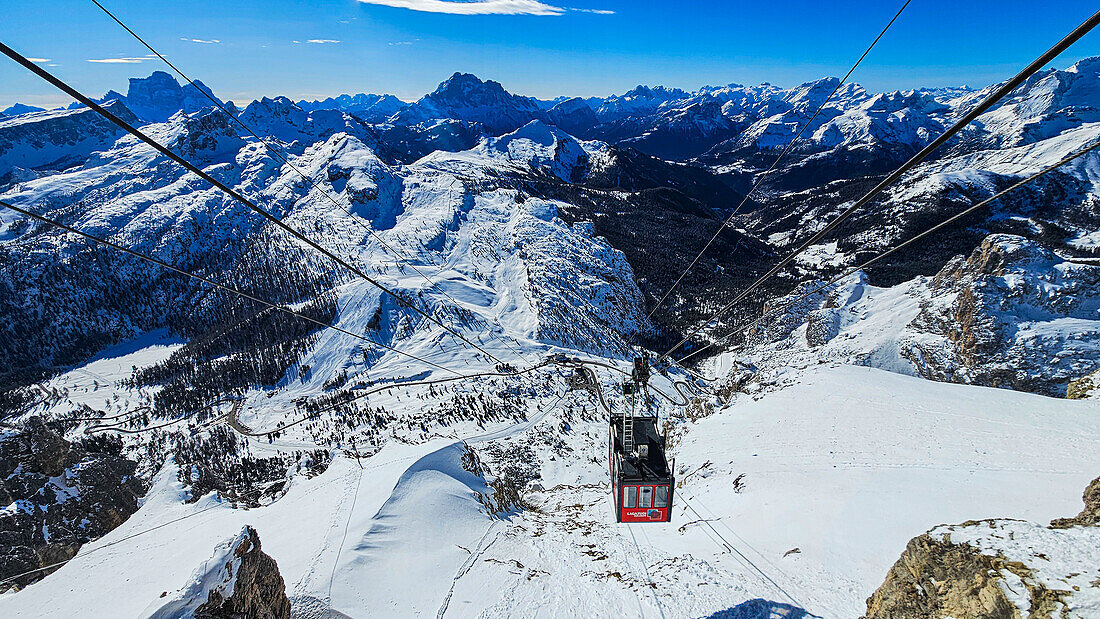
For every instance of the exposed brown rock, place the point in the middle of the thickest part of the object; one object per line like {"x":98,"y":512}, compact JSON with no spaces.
{"x":1088,"y":516}
{"x":1085,"y":387}
{"x":939,"y":579}
{"x":258,"y":589}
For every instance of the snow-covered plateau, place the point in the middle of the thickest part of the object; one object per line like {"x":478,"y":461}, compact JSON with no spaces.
{"x":413,"y":449}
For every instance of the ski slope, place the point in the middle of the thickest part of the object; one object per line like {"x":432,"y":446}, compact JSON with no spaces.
{"x":846,"y":465}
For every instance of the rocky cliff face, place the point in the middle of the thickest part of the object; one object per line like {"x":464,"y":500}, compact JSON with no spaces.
{"x":55,"y":496}
{"x":1012,"y":314}
{"x":240,"y":580}
{"x":998,"y":569}
{"x":157,"y":97}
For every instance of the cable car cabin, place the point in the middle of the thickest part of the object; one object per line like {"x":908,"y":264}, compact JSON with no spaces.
{"x":641,"y":479}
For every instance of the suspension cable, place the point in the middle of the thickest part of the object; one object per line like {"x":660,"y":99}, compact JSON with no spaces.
{"x":233,"y":193}
{"x":760,"y":179}
{"x":937,"y":227}
{"x":978,"y":110}
{"x":220,"y":286}
{"x":278,"y":155}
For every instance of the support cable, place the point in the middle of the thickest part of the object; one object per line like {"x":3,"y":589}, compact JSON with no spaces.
{"x":742,"y":555}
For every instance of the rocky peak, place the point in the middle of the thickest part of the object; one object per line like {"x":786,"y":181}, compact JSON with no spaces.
{"x":656,"y":92}
{"x":375,"y":108}
{"x":157,"y":97}
{"x":811,"y":94}
{"x":574,"y":115}
{"x":1086,"y":66}
{"x":996,"y":254}
{"x":543,"y":147}
{"x":239,"y":580}
{"x":205,"y":135}
{"x":466,"y":97}
{"x":918,"y":101}
{"x":468,"y":89}
{"x":279,"y":108}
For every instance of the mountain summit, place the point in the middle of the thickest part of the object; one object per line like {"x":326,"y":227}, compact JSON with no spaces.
{"x":464,"y":96}
{"x":157,"y":97}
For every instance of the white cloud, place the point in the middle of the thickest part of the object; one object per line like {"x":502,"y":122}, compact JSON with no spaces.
{"x":481,"y":7}
{"x":596,"y":11}
{"x":206,"y":41}
{"x":321,"y":41}
{"x":39,"y":60}
{"x":118,"y":60}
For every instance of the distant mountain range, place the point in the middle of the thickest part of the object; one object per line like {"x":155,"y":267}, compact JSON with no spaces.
{"x":652,"y":170}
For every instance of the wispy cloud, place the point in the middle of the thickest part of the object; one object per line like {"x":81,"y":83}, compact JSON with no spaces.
{"x":117,"y":60}
{"x":482,"y":7}
{"x":322,"y":41}
{"x":205,"y":41}
{"x":39,"y":60}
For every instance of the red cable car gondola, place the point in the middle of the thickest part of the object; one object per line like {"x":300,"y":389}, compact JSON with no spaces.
{"x":642,"y":480}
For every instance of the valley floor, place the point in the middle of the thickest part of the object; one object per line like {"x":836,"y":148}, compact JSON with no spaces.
{"x":803,"y":496}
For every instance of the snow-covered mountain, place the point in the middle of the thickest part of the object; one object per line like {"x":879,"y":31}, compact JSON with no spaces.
{"x":56,"y":139}
{"x":382,"y":485}
{"x":465,"y":97}
{"x":373,"y":108}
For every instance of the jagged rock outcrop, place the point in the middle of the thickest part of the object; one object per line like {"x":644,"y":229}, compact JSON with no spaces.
{"x":55,"y":496}
{"x":158,"y":97}
{"x":936,"y":578}
{"x":240,"y":581}
{"x":1085,"y":388}
{"x":1012,"y":314}
{"x":998,"y":569}
{"x":1088,"y":516}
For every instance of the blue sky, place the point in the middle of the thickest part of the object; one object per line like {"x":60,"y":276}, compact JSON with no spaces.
{"x":249,"y":48}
